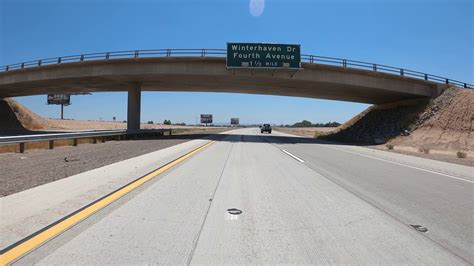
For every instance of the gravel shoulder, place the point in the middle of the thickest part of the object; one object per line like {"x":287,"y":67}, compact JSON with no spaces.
{"x":444,"y":157}
{"x":20,"y":172}
{"x":447,"y":156}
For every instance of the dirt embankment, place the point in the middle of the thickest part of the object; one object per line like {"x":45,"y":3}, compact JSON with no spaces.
{"x":17,"y":119}
{"x":74,"y":125}
{"x":443,"y":125}
{"x":378,"y":124}
{"x":446,"y":124}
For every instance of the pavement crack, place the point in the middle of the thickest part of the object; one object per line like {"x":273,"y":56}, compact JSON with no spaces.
{"x":211,"y":200}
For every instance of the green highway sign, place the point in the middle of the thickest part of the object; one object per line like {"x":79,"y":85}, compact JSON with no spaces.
{"x":263,"y":55}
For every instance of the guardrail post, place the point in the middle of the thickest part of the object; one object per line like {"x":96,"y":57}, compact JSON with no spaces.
{"x":22,"y":147}
{"x":168,"y":52}
{"x":94,"y":141}
{"x":39,"y":62}
{"x":82,"y":57}
{"x":107,"y":55}
{"x":426,"y":76}
{"x":344,"y":62}
{"x":203,"y":52}
{"x":74,"y":142}
{"x":59,"y":60}
{"x":402,"y":72}
{"x":374,"y":67}
{"x":6,"y":68}
{"x":136,"y":54}
{"x":22,"y":65}
{"x":170,"y":132}
{"x":51,"y":144}
{"x":465,"y":85}
{"x":447,"y":81}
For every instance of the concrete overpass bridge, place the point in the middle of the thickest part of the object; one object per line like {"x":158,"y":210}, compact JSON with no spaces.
{"x":204,"y":70}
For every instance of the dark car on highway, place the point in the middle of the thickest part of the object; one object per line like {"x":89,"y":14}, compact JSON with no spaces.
{"x":266,"y":128}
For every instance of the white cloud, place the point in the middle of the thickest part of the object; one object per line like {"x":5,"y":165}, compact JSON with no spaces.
{"x":256,"y":7}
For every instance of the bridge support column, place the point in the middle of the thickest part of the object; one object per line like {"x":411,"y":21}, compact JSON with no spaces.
{"x":133,"y":111}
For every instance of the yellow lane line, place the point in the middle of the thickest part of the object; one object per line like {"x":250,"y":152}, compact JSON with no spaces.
{"x":24,"y":247}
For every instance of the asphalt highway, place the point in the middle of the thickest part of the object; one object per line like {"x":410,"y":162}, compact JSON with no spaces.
{"x":256,"y":198}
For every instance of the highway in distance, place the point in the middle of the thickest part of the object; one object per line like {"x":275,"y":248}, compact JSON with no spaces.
{"x":254,"y":198}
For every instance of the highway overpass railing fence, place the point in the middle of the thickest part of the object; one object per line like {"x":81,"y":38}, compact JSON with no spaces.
{"x":204,"y":52}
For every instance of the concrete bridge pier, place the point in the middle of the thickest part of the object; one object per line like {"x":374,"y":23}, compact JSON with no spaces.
{"x":133,"y":109}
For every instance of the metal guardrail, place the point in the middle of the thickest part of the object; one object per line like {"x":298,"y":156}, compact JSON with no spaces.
{"x":204,"y":52}
{"x":75,"y":136}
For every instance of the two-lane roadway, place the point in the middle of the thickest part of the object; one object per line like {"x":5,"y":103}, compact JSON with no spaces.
{"x":259,"y":198}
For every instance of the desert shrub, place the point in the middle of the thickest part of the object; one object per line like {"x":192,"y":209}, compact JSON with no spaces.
{"x":461,"y":154}
{"x":389,"y":146}
{"x":424,"y":149}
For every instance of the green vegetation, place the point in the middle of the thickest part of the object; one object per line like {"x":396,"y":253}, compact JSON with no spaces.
{"x":167,"y":122}
{"x":306,"y":123}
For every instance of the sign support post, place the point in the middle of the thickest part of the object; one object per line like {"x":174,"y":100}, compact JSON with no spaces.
{"x":206,"y":119}
{"x":59,"y":99}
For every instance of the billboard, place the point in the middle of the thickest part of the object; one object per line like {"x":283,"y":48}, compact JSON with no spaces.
{"x":63,"y":99}
{"x":206,"y":119}
{"x":234,"y":121}
{"x":263,"y":55}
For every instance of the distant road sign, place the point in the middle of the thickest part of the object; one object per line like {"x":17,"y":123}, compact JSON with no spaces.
{"x":206,"y":119}
{"x":63,"y":99}
{"x":234,"y":121}
{"x":263,"y":55}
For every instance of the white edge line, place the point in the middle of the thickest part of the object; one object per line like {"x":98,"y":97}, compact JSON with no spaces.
{"x":293,"y":156}
{"x":414,"y":167}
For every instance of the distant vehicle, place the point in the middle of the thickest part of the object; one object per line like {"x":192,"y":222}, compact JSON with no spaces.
{"x":266,"y":128}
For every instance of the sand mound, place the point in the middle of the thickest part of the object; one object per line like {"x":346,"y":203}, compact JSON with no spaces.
{"x":17,"y":118}
{"x":379,"y":124}
{"x":444,"y":123}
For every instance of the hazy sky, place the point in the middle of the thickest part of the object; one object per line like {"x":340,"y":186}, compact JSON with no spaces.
{"x":431,"y":36}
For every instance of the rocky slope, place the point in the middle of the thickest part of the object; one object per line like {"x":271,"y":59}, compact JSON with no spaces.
{"x":445,"y":123}
{"x":379,"y":124}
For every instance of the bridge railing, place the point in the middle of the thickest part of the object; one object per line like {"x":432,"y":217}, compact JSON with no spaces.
{"x":382,"y":68}
{"x":204,"y":52}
